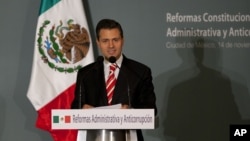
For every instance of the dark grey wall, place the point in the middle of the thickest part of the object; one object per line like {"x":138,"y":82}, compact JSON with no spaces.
{"x":199,"y":90}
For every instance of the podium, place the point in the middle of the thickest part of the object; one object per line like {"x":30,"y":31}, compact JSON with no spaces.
{"x":107,"y":135}
{"x":104,"y":124}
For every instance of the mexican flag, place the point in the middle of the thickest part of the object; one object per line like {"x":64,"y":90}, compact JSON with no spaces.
{"x":62,"y":46}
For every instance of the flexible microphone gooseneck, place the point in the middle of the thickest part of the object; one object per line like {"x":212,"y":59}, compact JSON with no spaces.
{"x":80,"y":97}
{"x":82,"y":88}
{"x":112,"y":60}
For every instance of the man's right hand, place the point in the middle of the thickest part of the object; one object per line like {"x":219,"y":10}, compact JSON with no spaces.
{"x":86,"y":106}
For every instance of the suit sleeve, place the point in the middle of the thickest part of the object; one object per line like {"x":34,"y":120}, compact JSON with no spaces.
{"x":77,"y":103}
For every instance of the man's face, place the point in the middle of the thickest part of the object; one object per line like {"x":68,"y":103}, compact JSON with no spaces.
{"x":110,"y":42}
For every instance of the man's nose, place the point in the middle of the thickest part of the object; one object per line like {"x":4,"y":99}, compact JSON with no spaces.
{"x":111,"y":44}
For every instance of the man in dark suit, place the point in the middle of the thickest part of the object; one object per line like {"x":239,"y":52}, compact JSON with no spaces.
{"x":133,"y":88}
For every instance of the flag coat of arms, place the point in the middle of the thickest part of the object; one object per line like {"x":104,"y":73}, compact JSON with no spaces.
{"x":62,"y":46}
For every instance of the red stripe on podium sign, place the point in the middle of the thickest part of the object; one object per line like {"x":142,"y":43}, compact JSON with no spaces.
{"x":67,"y":119}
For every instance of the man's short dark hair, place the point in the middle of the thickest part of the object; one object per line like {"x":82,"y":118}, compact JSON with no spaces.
{"x":108,"y":24}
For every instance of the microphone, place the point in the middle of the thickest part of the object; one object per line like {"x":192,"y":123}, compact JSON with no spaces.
{"x":112,"y":60}
{"x":99,"y":59}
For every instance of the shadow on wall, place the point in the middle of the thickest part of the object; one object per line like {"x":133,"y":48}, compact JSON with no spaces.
{"x":2,"y":116}
{"x":198,"y":102}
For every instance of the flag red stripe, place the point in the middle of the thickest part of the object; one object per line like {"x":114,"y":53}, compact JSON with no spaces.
{"x":62,"y":101}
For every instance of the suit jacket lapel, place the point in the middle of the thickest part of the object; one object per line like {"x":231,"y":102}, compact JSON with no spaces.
{"x":121,"y":87}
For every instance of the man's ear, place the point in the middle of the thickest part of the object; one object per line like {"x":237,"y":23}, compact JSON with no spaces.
{"x":97,"y":42}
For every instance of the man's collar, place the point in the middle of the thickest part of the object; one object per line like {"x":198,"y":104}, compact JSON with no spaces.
{"x":118,"y":61}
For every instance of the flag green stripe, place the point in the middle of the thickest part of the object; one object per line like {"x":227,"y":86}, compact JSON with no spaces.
{"x":47,"y":4}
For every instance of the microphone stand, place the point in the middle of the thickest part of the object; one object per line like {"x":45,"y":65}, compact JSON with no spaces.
{"x":81,"y":87}
{"x":112,"y":60}
{"x":80,"y":97}
{"x":127,"y":132}
{"x":128,"y":88}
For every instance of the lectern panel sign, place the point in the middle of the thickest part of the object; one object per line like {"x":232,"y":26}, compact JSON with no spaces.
{"x":103,"y":119}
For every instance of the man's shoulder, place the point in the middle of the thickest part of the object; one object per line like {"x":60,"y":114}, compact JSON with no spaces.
{"x":136,"y":69}
{"x":88,"y":67}
{"x":134,"y":63}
